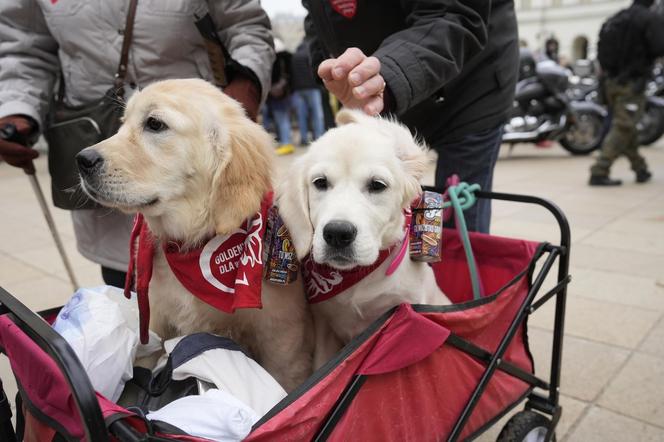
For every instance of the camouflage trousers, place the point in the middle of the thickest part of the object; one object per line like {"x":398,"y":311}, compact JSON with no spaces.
{"x":626,"y":106}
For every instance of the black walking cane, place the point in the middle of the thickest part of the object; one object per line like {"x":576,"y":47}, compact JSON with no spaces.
{"x":10,"y":133}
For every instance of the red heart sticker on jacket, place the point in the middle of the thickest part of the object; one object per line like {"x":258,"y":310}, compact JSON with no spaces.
{"x":347,"y":8}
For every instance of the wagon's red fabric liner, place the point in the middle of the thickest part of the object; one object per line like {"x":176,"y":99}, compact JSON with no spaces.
{"x":46,"y":387}
{"x":416,"y":388}
{"x":422,"y":401}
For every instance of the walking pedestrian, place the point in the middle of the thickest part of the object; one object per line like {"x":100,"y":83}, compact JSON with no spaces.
{"x":277,"y":108}
{"x":307,"y":96}
{"x":629,"y":43}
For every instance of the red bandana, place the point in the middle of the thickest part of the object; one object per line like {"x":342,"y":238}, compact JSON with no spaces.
{"x":322,"y":282}
{"x":224,"y":272}
{"x":347,"y":8}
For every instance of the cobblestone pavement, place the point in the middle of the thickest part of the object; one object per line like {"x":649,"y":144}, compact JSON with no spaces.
{"x":613,"y":362}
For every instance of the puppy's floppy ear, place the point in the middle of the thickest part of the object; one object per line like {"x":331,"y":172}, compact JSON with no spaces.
{"x":414,"y":160}
{"x":347,"y":116}
{"x":293,"y":203}
{"x":243,"y":176}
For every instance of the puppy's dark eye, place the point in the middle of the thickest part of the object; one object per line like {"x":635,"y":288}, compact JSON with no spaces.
{"x":320,"y":183}
{"x":155,"y":125}
{"x":376,"y":186}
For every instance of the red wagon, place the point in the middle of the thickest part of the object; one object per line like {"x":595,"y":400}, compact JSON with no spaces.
{"x":417,"y":373}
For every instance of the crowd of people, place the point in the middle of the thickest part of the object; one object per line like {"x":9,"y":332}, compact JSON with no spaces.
{"x":449,"y":74}
{"x":294,"y":92}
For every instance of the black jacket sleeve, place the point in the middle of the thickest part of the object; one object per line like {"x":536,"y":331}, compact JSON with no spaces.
{"x":316,"y":52}
{"x":655,"y":35}
{"x":435,"y":40}
{"x":441,"y":37}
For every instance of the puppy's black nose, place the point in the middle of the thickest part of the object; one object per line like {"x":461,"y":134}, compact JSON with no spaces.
{"x":89,"y":160}
{"x":339,"y":234}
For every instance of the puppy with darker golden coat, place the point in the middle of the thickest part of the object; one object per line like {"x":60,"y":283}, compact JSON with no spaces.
{"x":189,"y":160}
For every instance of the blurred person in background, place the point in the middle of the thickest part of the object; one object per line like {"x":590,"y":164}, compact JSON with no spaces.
{"x":551,"y":50}
{"x":629,"y":42}
{"x":446,"y":68}
{"x":79,"y":42}
{"x":307,"y":96}
{"x":277,"y":108}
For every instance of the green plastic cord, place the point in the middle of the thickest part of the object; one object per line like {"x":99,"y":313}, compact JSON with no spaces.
{"x":462,"y":197}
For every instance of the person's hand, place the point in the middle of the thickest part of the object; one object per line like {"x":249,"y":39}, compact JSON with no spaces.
{"x":355,"y":80}
{"x":12,"y":152}
{"x":244,"y":90}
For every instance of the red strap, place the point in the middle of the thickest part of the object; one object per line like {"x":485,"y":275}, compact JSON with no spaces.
{"x":141,"y":249}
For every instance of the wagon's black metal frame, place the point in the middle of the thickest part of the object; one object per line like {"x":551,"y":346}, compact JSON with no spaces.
{"x":547,"y":403}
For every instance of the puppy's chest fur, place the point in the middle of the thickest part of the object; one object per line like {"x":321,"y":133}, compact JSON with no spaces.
{"x":174,"y":311}
{"x":352,"y":311}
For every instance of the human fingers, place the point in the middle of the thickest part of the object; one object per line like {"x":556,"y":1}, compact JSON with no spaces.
{"x":18,"y":156}
{"x":10,"y":150}
{"x":325,"y":69}
{"x":374,"y":106}
{"x":373,"y":86}
{"x":22,"y":124}
{"x":368,"y":68}
{"x":346,"y":62}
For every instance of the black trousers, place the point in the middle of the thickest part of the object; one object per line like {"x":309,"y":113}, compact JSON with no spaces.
{"x":472,"y":157}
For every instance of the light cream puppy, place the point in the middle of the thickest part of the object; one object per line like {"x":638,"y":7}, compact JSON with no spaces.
{"x":343,"y":202}
{"x":194,"y":165}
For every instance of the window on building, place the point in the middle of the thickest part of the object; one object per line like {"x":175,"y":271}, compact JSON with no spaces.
{"x":580,"y":48}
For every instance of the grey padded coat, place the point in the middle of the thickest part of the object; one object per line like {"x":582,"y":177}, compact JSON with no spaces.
{"x":82,"y":38}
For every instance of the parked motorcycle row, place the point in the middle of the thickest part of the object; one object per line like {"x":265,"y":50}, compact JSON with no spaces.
{"x":553,"y":104}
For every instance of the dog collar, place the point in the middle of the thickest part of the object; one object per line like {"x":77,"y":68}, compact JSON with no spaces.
{"x":224,"y":272}
{"x":322,"y":282}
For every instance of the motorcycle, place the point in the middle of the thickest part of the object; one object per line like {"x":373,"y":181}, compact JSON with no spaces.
{"x":651,"y":126}
{"x":545,"y":110}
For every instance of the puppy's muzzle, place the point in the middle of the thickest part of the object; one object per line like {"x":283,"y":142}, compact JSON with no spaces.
{"x":339,"y":234}
{"x":90,"y":163}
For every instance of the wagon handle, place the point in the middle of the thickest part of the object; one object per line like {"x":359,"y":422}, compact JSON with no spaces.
{"x":561,"y":219}
{"x":59,"y":350}
{"x":563,"y":273}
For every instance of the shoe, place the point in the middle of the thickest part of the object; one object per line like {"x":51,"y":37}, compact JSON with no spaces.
{"x":643,"y":176}
{"x":598,"y":180}
{"x":285,"y":149}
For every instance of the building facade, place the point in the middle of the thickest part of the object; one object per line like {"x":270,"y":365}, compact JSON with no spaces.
{"x":574,"y":23}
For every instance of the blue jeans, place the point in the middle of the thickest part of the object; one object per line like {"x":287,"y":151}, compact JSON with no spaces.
{"x":309,"y":105}
{"x":472,"y":157}
{"x":278,"y":110}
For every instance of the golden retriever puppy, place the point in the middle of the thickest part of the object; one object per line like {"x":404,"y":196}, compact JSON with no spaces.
{"x":346,"y":205}
{"x":198,"y":170}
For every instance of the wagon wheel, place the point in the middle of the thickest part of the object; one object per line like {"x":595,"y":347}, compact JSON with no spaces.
{"x":525,"y":426}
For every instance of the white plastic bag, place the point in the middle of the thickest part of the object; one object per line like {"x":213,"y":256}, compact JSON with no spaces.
{"x":101,"y":325}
